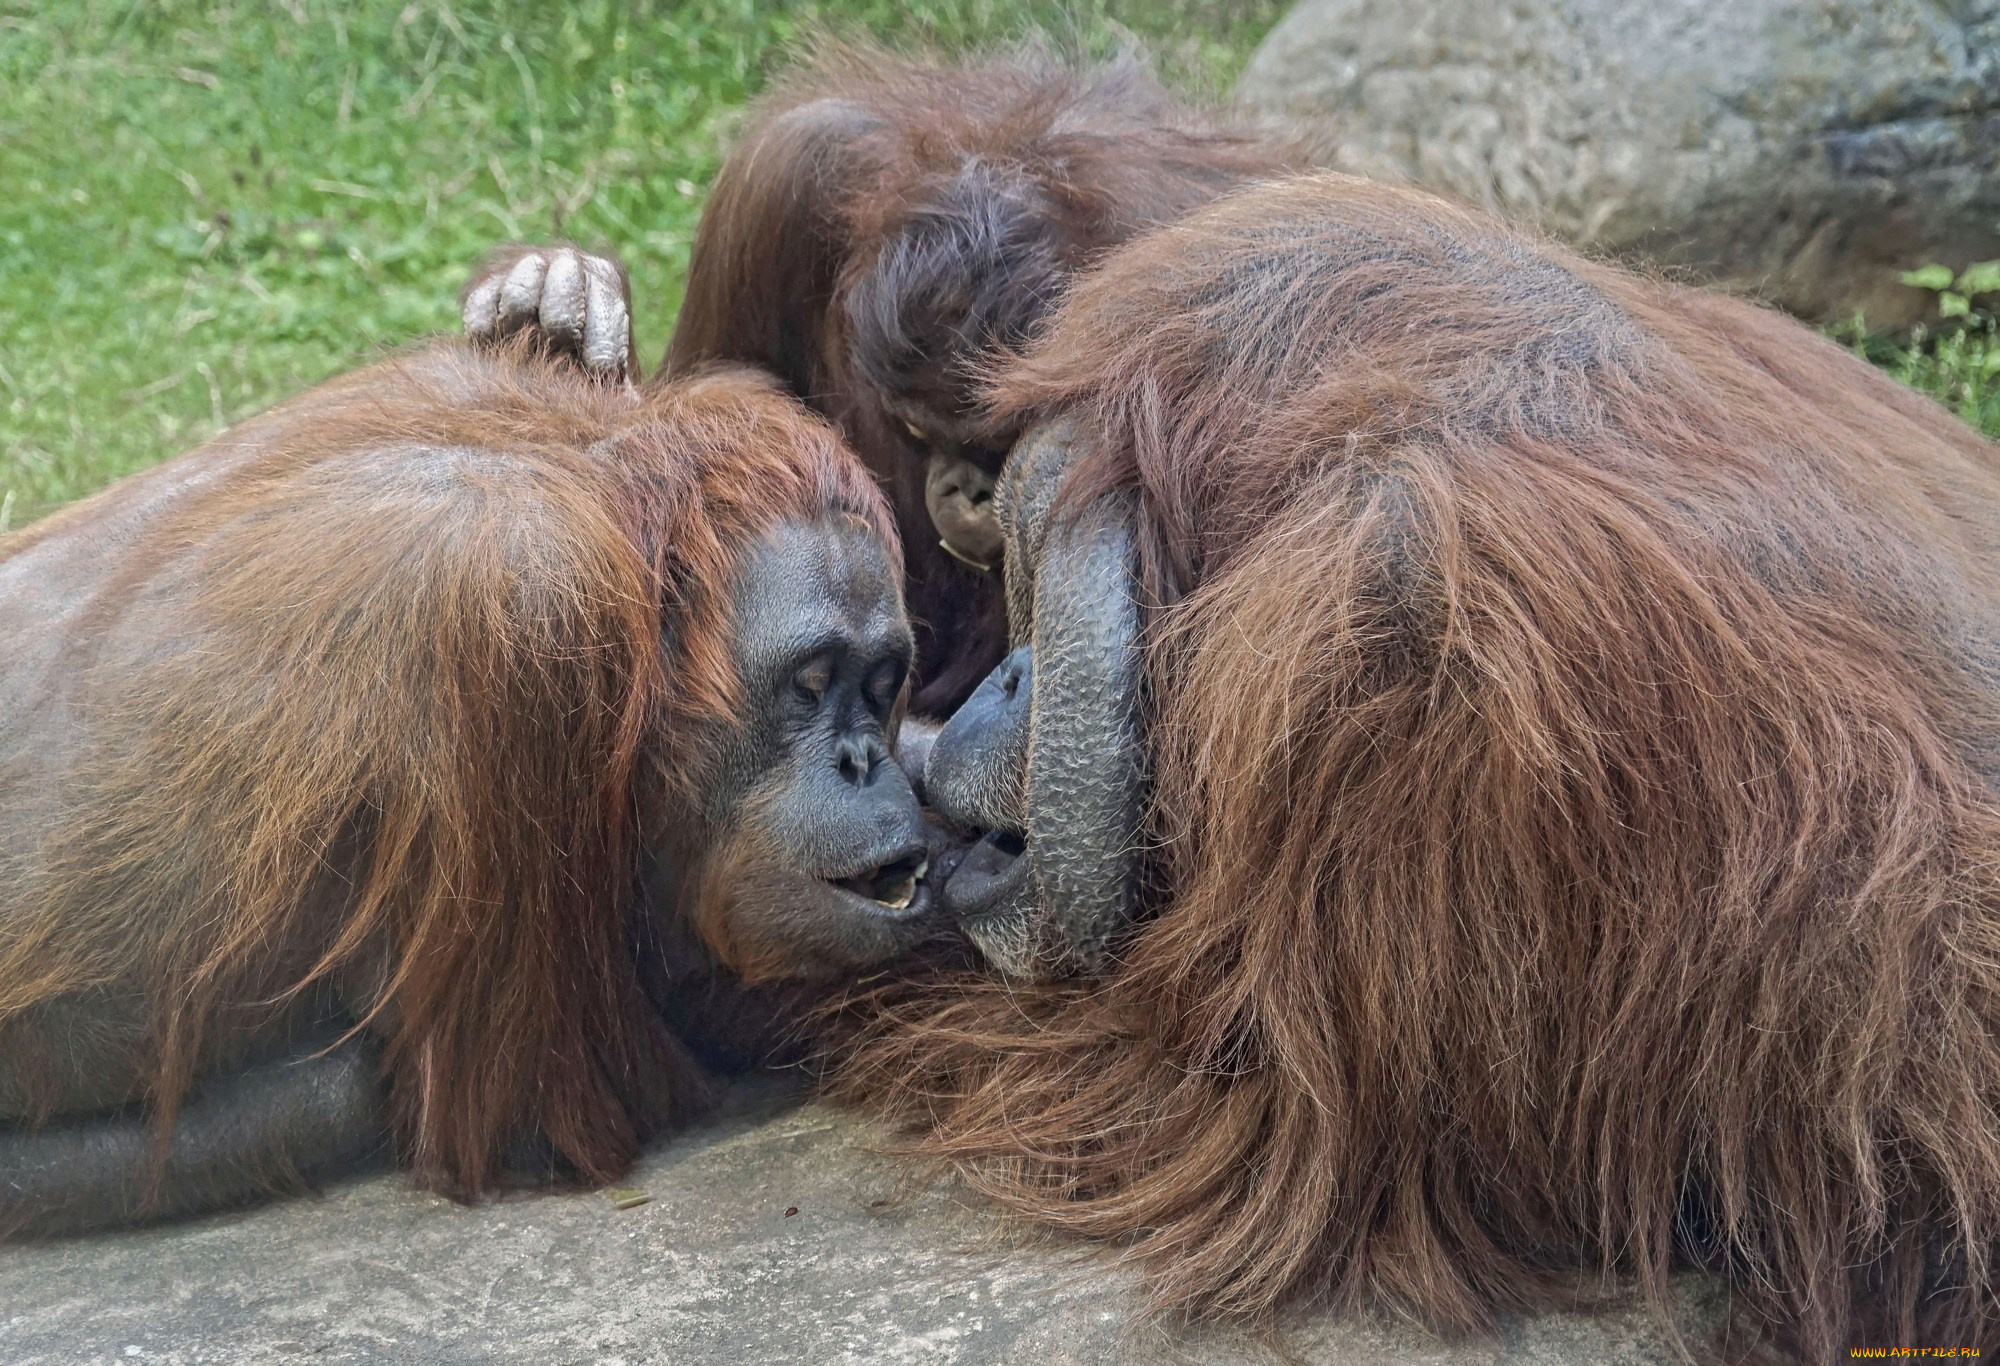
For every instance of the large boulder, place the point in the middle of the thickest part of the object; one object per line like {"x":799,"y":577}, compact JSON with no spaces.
{"x":1806,"y":150}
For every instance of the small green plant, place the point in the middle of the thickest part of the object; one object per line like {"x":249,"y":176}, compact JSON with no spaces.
{"x":1957,"y":362}
{"x":1956,"y":293}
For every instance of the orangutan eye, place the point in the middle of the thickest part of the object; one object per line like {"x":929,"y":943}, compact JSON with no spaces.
{"x":812,"y":681}
{"x":885,"y":682}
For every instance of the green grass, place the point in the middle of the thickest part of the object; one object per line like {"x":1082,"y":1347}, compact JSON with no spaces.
{"x":207,"y":206}
{"x":1957,"y":363}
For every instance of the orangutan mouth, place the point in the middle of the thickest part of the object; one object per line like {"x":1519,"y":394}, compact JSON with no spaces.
{"x":893,"y":885}
{"x":987,"y":876}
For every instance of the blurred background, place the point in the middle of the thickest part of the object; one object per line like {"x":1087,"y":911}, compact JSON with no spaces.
{"x":205,"y":207}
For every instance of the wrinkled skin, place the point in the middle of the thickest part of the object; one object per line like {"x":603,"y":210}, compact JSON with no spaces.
{"x":807,"y":780}
{"x":962,"y":467}
{"x":959,"y":494}
{"x":809,"y":853}
{"x":886,"y":228}
{"x":574,"y":304}
{"x":1057,"y":872}
{"x":1555,"y":679}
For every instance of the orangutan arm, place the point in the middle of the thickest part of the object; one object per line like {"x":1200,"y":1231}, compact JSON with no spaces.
{"x":307,"y":1114}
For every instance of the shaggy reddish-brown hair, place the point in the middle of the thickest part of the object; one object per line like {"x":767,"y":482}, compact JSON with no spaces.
{"x":887,"y":221}
{"x":454,"y":611}
{"x":1575,"y":725}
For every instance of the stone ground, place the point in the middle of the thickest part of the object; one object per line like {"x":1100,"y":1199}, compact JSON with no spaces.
{"x":711,"y":1270}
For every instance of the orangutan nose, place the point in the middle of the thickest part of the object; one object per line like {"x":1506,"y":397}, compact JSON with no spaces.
{"x":859,"y":758}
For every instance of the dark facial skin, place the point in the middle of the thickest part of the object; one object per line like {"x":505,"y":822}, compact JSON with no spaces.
{"x":1054,"y":877}
{"x":976,"y":777}
{"x":960,"y":474}
{"x":812,"y":850}
{"x":959,"y":495}
{"x":975,"y":774}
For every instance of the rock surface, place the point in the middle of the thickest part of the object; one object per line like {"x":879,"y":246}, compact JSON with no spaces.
{"x":712,"y":1270}
{"x":1807,"y":150}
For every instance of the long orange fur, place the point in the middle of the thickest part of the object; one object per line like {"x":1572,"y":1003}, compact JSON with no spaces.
{"x":429,"y":636}
{"x":1575,"y":726}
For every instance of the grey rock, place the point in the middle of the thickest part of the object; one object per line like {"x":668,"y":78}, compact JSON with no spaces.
{"x":1806,"y":150}
{"x":712,"y":1270}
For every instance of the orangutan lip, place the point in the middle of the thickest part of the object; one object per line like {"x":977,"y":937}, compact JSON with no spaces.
{"x":919,"y":905}
{"x":893,"y":886}
{"x":985,"y":877}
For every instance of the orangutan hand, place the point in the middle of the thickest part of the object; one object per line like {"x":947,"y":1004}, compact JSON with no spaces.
{"x":574,"y":304}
